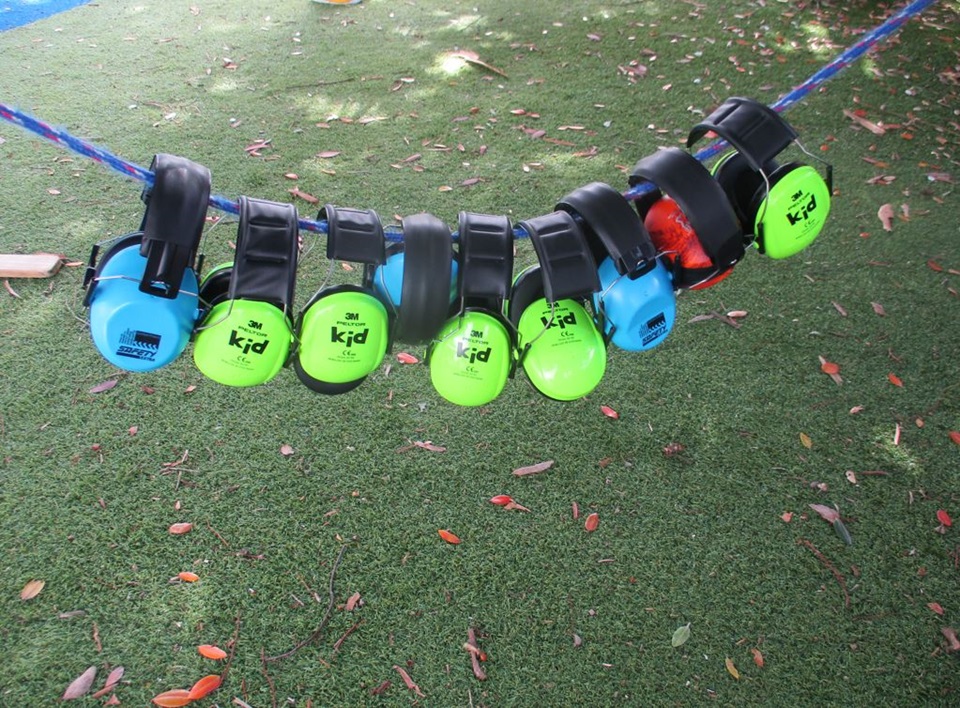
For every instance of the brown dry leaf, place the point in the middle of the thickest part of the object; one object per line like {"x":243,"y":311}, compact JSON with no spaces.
{"x":180,"y":528}
{"x":112,"y":680}
{"x":300,"y":194}
{"x":80,"y":686}
{"x":885,"y":214}
{"x":860,"y":120}
{"x":327,"y":154}
{"x":757,"y":657}
{"x":878,"y":309}
{"x":9,"y":289}
{"x":103,"y":386}
{"x":533,"y":469}
{"x":951,"y":636}
{"x":474,"y":60}
{"x":731,"y":669}
{"x":352,"y":602}
{"x":409,"y":681}
{"x":806,"y":441}
{"x":827,"y":513}
{"x":32,"y":589}
{"x":851,"y":476}
{"x":286,"y":450}
{"x":428,"y":445}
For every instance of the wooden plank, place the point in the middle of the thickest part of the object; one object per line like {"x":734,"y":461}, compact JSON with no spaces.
{"x":36,"y":265}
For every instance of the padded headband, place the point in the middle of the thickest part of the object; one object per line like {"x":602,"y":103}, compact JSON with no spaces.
{"x":427,"y":264}
{"x":354,"y":235}
{"x":566,"y":263}
{"x":612,"y":226}
{"x":265,"y":264}
{"x":173,"y":222}
{"x":754,"y":130}
{"x":486,"y":256}
{"x":700,"y":198}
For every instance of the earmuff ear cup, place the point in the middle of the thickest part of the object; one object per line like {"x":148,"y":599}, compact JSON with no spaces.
{"x":740,"y":182}
{"x":563,"y":353}
{"x":215,"y":285}
{"x":133,"y":330}
{"x":343,"y":337}
{"x":678,"y":243}
{"x":243,"y":342}
{"x":472,"y":358}
{"x":388,"y":283}
{"x":638,"y":313}
{"x":791,"y":216}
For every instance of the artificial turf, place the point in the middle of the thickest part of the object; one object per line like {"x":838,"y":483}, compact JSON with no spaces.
{"x":726,"y":433}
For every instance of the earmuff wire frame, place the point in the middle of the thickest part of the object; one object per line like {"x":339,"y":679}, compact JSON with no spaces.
{"x":527,"y":345}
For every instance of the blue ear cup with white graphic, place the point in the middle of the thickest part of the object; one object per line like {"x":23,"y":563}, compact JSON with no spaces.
{"x":143,"y":292}
{"x":418,"y":281}
{"x":635,"y":303}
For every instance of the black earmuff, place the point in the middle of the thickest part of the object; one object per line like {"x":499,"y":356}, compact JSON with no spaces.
{"x":143,"y":292}
{"x":343,"y":332}
{"x":782,"y":207}
{"x":474,"y":353}
{"x":246,"y":333}
{"x":418,"y":281}
{"x":689,"y":217}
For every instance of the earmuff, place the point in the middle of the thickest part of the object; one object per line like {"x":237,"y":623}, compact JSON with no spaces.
{"x":635,"y":304}
{"x":246,"y":333}
{"x":418,"y":281}
{"x":562,"y":351}
{"x":783,"y":207}
{"x":343,"y":332}
{"x":689,"y":217}
{"x":143,"y":292}
{"x":474,"y":353}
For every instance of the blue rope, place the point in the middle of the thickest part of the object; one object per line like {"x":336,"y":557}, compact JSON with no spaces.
{"x":102,"y":156}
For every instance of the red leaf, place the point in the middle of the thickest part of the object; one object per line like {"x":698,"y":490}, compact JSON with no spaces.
{"x":405,"y":358}
{"x":204,"y":687}
{"x":188,"y":577}
{"x":828,"y":367}
{"x":112,"y":680}
{"x":209,"y":651}
{"x":895,"y":380}
{"x":448,"y":536}
{"x":592,"y":521}
{"x":827,"y":513}
{"x":80,"y":686}
{"x":104,"y":386}
{"x":501,"y":499}
{"x":935,"y":606}
{"x":955,"y":436}
{"x":286,"y":450}
{"x":757,"y":657}
{"x":176,"y":698}
{"x":944,"y":518}
{"x":180,"y":528}
{"x":609,"y":412}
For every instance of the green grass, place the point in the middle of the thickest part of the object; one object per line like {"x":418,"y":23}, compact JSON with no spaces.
{"x":695,"y":537}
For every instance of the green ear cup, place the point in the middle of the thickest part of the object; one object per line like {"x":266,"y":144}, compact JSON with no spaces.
{"x":244,"y":343}
{"x":472,"y":359}
{"x":567,"y":356}
{"x":343,"y":337}
{"x":793,"y":213}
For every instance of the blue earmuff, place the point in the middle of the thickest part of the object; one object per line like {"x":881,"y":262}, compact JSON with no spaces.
{"x":143,"y":293}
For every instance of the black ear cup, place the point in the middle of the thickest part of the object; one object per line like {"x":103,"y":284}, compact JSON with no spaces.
{"x":740,"y":183}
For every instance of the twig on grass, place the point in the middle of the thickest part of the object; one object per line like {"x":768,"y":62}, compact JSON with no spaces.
{"x":233,"y":649}
{"x":326,"y":615}
{"x":410,"y":683}
{"x":217,"y":534}
{"x":266,"y":675}
{"x":836,"y":573}
{"x":337,"y":644}
{"x":474,"y":651}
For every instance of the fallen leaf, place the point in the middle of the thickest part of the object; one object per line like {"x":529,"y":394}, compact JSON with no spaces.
{"x":955,"y":436}
{"x":731,"y":669}
{"x":951,"y":635}
{"x":609,"y":412}
{"x":827,"y":513}
{"x":32,"y":589}
{"x":9,"y":289}
{"x":839,"y":308}
{"x":286,"y":450}
{"x":829,"y":367}
{"x":448,"y":536}
{"x":786,"y":517}
{"x":806,"y":441}
{"x":934,"y":266}
{"x":204,"y":687}
{"x":842,"y":532}
{"x":501,"y":499}
{"x":860,"y":120}
{"x":180,"y":528}
{"x":885,"y":214}
{"x":188,"y":577}
{"x":533,"y":469}
{"x":209,"y":651}
{"x":680,"y":635}
{"x":935,"y":607}
{"x":878,"y":309}
{"x":327,"y":154}
{"x":80,"y":686}
{"x":408,"y":681}
{"x":112,"y":680}
{"x":591,"y":522}
{"x":299,"y":193}
{"x":352,"y":602}
{"x":851,"y":476}
{"x":944,"y":518}
{"x":575,"y":510}
{"x":856,"y":409}
{"x":405,"y":358}
{"x":175,"y":698}
{"x":757,"y":657}
{"x":895,"y":380}
{"x":428,"y":445}
{"x":103,"y":386}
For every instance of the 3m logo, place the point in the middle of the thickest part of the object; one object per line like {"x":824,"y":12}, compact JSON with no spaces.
{"x":247,"y":344}
{"x":473,"y":354}
{"x":136,"y":344}
{"x":561,"y":321}
{"x":347,"y":337}
{"x":351,"y":316}
{"x":801,"y":212}
{"x":253,"y":324}
{"x":474,"y":334}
